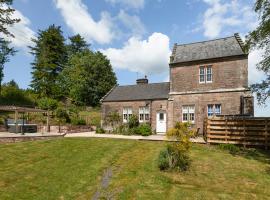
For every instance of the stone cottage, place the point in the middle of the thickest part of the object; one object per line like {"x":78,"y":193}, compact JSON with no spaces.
{"x":206,"y":78}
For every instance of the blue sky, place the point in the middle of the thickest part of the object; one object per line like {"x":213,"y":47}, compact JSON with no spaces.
{"x":137,"y":35}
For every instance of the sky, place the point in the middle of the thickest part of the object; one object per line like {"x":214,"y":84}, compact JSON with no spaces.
{"x":136,"y":35}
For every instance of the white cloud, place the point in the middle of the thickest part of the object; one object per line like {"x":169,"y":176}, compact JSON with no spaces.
{"x":22,"y":32}
{"x":77,"y":17}
{"x":254,"y":75}
{"x":149,"y":56}
{"x":220,"y":16}
{"x":132,"y":22}
{"x":137,"y":4}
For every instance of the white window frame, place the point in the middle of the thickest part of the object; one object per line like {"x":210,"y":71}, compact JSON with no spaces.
{"x":213,"y":109}
{"x":202,"y":67}
{"x":188,"y":109}
{"x":144,"y":111}
{"x":128,"y":112}
{"x":205,"y":74}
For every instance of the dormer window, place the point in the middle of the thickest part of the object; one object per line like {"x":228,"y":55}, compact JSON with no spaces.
{"x":206,"y":75}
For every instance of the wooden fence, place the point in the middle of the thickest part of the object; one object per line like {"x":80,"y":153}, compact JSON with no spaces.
{"x":247,"y":131}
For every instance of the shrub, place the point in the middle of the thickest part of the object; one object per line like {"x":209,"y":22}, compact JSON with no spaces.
{"x":100,"y":130}
{"x":177,"y":153}
{"x":144,"y":130}
{"x":77,"y":121}
{"x":113,"y":118}
{"x":133,"y":121}
{"x":233,"y":149}
{"x":47,"y":103}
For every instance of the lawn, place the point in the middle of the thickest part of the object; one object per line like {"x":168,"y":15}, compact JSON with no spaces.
{"x":125,"y":169}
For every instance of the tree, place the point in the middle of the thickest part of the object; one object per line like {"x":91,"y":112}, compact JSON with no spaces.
{"x":260,"y":39}
{"x":50,"y":59}
{"x":87,"y":78}
{"x":5,"y":53}
{"x":5,"y":17}
{"x":77,"y":45}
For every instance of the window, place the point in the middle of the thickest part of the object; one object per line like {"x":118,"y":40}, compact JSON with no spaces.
{"x":213,"y":109}
{"x":127,"y":113}
{"x":206,"y":75}
{"x":188,"y":113}
{"x":143,"y":114}
{"x":161,"y":116}
{"x":209,"y":74}
{"x":202,"y":75}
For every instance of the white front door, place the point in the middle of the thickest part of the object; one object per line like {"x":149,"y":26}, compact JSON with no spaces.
{"x":161,"y":122}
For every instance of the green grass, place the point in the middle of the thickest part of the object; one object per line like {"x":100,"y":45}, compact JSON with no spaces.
{"x":73,"y":169}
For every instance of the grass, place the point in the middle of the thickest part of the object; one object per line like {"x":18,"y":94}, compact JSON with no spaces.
{"x":74,"y":169}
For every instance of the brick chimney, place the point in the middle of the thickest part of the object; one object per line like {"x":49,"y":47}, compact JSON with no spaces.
{"x":141,"y":81}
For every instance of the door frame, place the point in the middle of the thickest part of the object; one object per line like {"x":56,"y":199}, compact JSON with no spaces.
{"x":157,"y":119}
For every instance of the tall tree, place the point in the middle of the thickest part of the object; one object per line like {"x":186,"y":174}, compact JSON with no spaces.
{"x":5,"y":17}
{"x":260,"y":39}
{"x":50,"y":59}
{"x":5,"y":53}
{"x":88,"y":77}
{"x":77,"y":44}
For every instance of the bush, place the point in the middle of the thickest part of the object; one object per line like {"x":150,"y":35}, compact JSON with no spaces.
{"x":176,"y":154}
{"x":233,"y":149}
{"x":171,"y":158}
{"x":100,"y":130}
{"x":76,"y":121}
{"x":47,"y":103}
{"x":133,"y":121}
{"x":144,"y":130}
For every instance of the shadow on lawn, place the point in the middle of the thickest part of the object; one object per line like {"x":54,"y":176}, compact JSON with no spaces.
{"x":248,"y":153}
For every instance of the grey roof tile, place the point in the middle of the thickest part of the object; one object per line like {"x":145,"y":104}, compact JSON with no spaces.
{"x":218,"y":48}
{"x":139,"y":92}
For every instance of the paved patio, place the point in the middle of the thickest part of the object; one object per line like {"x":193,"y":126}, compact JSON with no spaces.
{"x":129,"y":137}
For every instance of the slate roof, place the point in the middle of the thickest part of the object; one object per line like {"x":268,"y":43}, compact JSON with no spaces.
{"x":149,"y":91}
{"x":218,"y":48}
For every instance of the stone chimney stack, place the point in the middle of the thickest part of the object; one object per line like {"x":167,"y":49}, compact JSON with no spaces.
{"x":141,"y":81}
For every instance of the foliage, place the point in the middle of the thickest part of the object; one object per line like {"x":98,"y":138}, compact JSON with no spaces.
{"x":13,"y":95}
{"x":61,"y":115}
{"x":133,"y":121}
{"x":144,"y":129}
{"x":5,"y":52}
{"x":47,"y":103}
{"x":76,"y":121}
{"x":113,"y":118}
{"x":87,"y":78}
{"x":260,"y":39}
{"x":233,"y":149}
{"x":176,"y":155}
{"x":100,"y":130}
{"x":122,"y":129}
{"x":77,"y":45}
{"x":171,"y":158}
{"x":6,"y":13}
{"x":49,"y":60}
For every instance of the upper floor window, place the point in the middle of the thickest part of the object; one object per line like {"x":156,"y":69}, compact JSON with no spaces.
{"x":127,"y":113}
{"x":206,"y":75}
{"x":144,"y":114}
{"x":188,"y":113}
{"x":213,"y":109}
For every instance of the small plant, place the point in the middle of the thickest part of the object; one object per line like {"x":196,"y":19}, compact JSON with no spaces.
{"x":176,"y":156}
{"x":100,"y":130}
{"x":233,"y":149}
{"x":78,"y":122}
{"x":133,"y":121}
{"x":145,"y":129}
{"x":113,"y":119}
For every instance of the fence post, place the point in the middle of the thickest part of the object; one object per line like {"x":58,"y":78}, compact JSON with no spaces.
{"x":226,"y":130}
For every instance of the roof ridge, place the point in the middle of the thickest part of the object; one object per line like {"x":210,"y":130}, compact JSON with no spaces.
{"x":205,"y":41}
{"x":142,"y":84}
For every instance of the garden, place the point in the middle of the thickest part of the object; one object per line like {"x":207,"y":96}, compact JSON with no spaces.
{"x":91,"y":168}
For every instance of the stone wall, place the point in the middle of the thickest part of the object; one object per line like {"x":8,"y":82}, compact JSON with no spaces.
{"x":230,"y":105}
{"x":155,"y":105}
{"x":227,"y":74}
